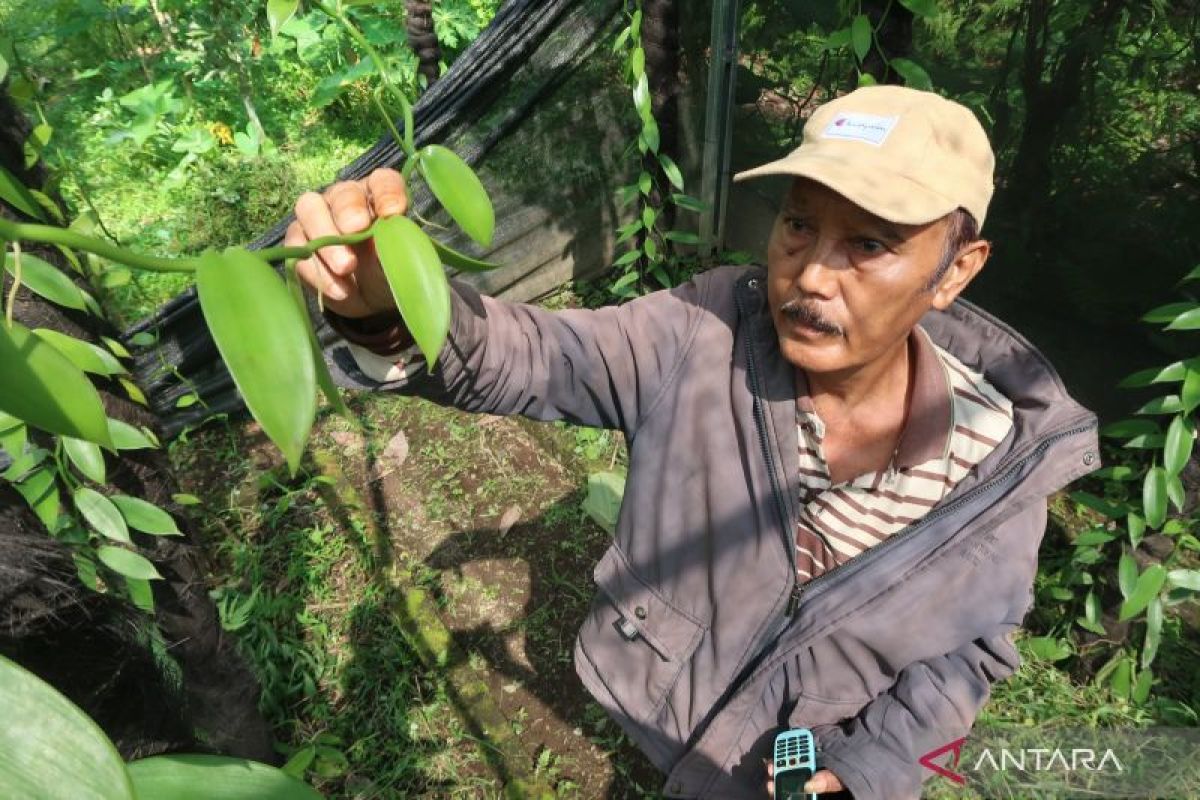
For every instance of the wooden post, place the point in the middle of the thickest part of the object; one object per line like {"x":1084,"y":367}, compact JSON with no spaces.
{"x":718,"y":125}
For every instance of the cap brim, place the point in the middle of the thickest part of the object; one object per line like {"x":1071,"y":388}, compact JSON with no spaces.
{"x":867,"y":183}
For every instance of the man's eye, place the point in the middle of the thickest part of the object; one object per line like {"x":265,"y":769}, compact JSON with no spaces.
{"x":795,"y":225}
{"x":871,"y":247}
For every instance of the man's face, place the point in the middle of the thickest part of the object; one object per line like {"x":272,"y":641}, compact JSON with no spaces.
{"x":845,"y":287}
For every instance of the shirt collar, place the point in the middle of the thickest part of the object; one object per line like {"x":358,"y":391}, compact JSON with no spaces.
{"x":930,"y":419}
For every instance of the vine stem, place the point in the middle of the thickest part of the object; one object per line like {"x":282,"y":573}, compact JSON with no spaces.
{"x":48,"y":234}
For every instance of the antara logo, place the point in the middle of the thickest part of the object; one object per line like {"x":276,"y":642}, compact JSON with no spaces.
{"x":954,"y":747}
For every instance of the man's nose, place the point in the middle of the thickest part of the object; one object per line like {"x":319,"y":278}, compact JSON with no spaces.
{"x":819,"y":269}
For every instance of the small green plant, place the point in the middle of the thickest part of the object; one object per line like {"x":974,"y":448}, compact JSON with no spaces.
{"x":1102,"y":577}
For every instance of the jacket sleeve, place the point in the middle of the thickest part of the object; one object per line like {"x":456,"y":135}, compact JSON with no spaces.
{"x":603,"y":368}
{"x":877,"y":754}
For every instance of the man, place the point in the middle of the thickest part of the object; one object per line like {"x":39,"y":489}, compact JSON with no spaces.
{"x":838,"y":470}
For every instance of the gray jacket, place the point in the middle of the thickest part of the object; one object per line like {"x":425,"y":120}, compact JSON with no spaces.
{"x":698,"y":605}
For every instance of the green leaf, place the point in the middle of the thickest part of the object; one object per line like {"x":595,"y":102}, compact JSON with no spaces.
{"x":649,"y":217}
{"x":264,"y":341}
{"x":1141,"y":687}
{"x":913,"y":73}
{"x":1154,"y":624}
{"x":41,"y":494}
{"x":13,"y":192}
{"x":1099,"y":504}
{"x":48,"y":281}
{"x":101,"y":514}
{"x":622,"y":39}
{"x":85,"y":355}
{"x":13,"y":435}
{"x":641,"y":98}
{"x":637,"y":61}
{"x":3,"y":68}
{"x":185,"y":499}
{"x":921,"y":8}
{"x":690,"y":203}
{"x":628,"y":279}
{"x":116,"y":348}
{"x":140,"y":593}
{"x":866,"y":79}
{"x":1187,"y":321}
{"x":645,"y":183}
{"x":1127,"y":574}
{"x":1048,"y":648}
{"x":127,"y":437}
{"x":418,"y":283}
{"x":628,"y":258}
{"x":1168,"y":374}
{"x":1120,"y":472}
{"x":1146,"y":589}
{"x":837,"y":40}
{"x":127,"y":563}
{"x":650,"y":135}
{"x":324,"y":379}
{"x":671,"y":170}
{"x":458,"y":189}
{"x":1154,"y":496}
{"x":1191,"y":276}
{"x":682,"y":237}
{"x":1146,"y":441}
{"x":1137,"y":528}
{"x":1091,"y":609}
{"x":461,"y":261}
{"x":860,"y":36}
{"x":1176,"y":493}
{"x":143,"y":339}
{"x":145,"y":517}
{"x":86,"y":456}
{"x":1168,"y":312}
{"x":51,"y":749}
{"x":202,"y":777}
{"x":1122,"y":677}
{"x":1189,"y":395}
{"x":44,"y":389}
{"x":1167,"y":404}
{"x":1094,"y":537}
{"x":1185,"y":578}
{"x":603,"y":501}
{"x":1129,"y":427}
{"x":1178,"y":448}
{"x":279,"y":12}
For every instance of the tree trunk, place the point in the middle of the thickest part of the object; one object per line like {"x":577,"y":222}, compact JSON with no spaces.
{"x":85,"y":643}
{"x":422,"y":38}
{"x":660,"y":41}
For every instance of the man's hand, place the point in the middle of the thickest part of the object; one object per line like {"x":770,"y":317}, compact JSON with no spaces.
{"x":823,"y":782}
{"x":349,"y":277}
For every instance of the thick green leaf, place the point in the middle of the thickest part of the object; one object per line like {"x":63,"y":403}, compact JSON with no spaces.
{"x":461,"y":261}
{"x":1127,"y":575}
{"x":1167,"y":404}
{"x":688,"y":202}
{"x":1048,"y":647}
{"x":51,"y":750}
{"x":913,"y":73}
{"x":85,"y":355}
{"x":44,"y":389}
{"x":921,"y":8}
{"x":13,"y":435}
{"x":1176,"y":493}
{"x":838,"y":39}
{"x":637,"y":61}
{"x":1187,"y":321}
{"x":414,"y":273}
{"x":1129,"y":427}
{"x":1091,"y":608}
{"x":145,"y":517}
{"x":1141,"y":687}
{"x":279,"y":12}
{"x":127,"y":437}
{"x":641,"y":98}
{"x":101,"y":514}
{"x":13,"y":192}
{"x":1120,"y":472}
{"x":140,"y":593}
{"x":458,"y":189}
{"x":1186,"y":578}
{"x":46,"y":280}
{"x":1189,"y":395}
{"x":41,"y":493}
{"x":1094,"y":537}
{"x":1169,"y":312}
{"x":1137,"y":528}
{"x":324,"y":379}
{"x":198,"y":777}
{"x":1146,"y":589}
{"x":1100,"y":505}
{"x":1168,"y":374}
{"x":185,"y":499}
{"x":87,"y":458}
{"x":1154,"y":624}
{"x":1154,"y":497}
{"x":127,"y":563}
{"x":671,"y":170}
{"x":1146,"y":441}
{"x":860,"y":36}
{"x":264,"y":341}
{"x":1122,"y":677}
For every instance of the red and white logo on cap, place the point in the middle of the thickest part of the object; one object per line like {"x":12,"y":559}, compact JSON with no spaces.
{"x":868,"y":128}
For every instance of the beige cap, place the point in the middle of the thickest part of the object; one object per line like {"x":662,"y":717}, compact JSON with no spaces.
{"x":904,"y":155}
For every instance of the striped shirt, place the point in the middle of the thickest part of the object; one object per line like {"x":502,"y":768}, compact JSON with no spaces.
{"x":955,"y":419}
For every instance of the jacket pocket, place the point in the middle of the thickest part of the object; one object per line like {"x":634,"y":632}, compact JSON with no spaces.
{"x":637,"y":643}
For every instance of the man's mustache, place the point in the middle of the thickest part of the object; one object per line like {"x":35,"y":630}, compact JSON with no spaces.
{"x":807,"y":314}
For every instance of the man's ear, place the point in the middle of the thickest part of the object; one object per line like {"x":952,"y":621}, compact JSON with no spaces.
{"x":962,"y":271}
